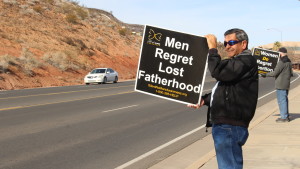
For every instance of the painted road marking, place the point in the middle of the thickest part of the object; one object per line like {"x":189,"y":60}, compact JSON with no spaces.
{"x":48,"y":94}
{"x":275,"y":90}
{"x":119,"y":108}
{"x":65,"y":101}
{"x":159,"y":148}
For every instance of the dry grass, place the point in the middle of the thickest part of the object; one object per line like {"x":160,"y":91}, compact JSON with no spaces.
{"x":74,"y":12}
{"x":28,"y":62}
{"x":61,"y":61}
{"x":5,"y":62}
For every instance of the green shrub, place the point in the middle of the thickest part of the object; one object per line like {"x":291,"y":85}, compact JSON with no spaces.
{"x":67,"y":8}
{"x":276,"y":46}
{"x":123,"y":31}
{"x":74,"y":12}
{"x":74,"y":2}
{"x":49,"y":1}
{"x":72,"y":18}
{"x":75,"y":42}
{"x":69,"y":41}
{"x":38,"y":9}
{"x":81,"y":13}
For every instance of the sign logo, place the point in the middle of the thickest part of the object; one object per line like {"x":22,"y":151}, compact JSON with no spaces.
{"x":154,"y":38}
{"x":257,"y":52}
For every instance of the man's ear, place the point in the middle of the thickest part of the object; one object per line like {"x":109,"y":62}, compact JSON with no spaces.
{"x":244,"y":44}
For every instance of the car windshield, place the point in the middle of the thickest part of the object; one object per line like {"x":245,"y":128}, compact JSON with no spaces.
{"x":98,"y":71}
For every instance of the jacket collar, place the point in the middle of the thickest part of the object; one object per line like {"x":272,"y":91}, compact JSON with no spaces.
{"x":245,"y":52}
{"x":285,"y":59}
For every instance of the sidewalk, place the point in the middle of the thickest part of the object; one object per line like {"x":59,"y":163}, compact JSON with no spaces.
{"x":270,"y":145}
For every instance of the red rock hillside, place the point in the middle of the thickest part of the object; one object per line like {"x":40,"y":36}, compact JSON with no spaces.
{"x":57,"y":42}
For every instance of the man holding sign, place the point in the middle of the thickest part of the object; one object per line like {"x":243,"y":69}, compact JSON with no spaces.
{"x":282,"y":73}
{"x":233,"y":100}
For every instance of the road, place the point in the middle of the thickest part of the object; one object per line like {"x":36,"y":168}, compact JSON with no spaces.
{"x":98,"y":126}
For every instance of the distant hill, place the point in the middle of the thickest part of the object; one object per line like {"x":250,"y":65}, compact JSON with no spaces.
{"x":131,"y":27}
{"x":56,"y":42}
{"x":292,"y":47}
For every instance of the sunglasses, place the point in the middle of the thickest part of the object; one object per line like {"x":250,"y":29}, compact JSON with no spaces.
{"x":231,"y":42}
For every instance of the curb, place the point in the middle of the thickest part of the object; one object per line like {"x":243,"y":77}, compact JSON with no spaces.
{"x":207,"y":157}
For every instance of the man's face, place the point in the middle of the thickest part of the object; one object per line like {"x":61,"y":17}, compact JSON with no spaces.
{"x":236,"y":48}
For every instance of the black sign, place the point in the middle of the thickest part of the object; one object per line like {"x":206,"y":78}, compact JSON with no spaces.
{"x":172,"y":65}
{"x":266,"y":60}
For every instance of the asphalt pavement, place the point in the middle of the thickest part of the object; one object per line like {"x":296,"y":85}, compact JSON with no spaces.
{"x":270,"y":145}
{"x":78,"y":127}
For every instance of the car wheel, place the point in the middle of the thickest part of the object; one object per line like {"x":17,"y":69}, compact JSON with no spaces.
{"x":104,"y":80}
{"x":87,"y":84}
{"x":116,"y":79}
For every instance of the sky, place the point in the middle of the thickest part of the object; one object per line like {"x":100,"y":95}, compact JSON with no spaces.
{"x":265,"y":21}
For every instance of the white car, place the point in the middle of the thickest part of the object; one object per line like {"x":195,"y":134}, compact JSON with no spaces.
{"x":101,"y":75}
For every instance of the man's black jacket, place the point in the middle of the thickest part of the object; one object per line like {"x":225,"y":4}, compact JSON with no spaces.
{"x":235,"y":98}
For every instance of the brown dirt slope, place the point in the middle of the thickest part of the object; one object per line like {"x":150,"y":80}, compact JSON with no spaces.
{"x":56,"y":42}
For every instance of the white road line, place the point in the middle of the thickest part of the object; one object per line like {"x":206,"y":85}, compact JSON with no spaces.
{"x":266,"y":94}
{"x":178,"y":138}
{"x":75,"y":91}
{"x":275,"y":90}
{"x":120,"y":108}
{"x":63,"y":101}
{"x":159,"y":148}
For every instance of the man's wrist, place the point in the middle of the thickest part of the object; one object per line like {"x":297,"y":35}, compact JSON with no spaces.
{"x":212,"y":51}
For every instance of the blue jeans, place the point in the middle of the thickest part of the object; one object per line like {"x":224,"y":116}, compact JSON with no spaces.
{"x":283,"y":103}
{"x":228,"y":142}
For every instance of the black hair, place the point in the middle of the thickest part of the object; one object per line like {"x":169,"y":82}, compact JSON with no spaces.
{"x":240,"y":34}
